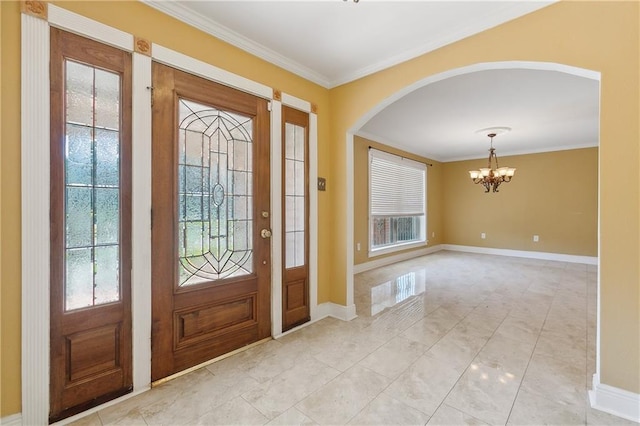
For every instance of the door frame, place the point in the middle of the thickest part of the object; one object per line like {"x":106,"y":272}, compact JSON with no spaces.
{"x":35,"y":321}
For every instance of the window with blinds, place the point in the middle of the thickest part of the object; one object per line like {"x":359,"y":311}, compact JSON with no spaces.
{"x":397,"y":201}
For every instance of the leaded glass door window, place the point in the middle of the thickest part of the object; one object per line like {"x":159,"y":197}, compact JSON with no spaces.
{"x":214,"y":194}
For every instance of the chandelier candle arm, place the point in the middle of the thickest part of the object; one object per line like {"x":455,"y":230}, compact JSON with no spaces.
{"x":489,"y":177}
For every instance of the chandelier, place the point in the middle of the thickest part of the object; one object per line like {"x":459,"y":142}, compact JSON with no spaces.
{"x":489,"y":177}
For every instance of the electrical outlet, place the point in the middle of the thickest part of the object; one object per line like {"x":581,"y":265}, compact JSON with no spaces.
{"x":433,"y":234}
{"x":358,"y":246}
{"x":322,"y":184}
{"x":536,"y":238}
{"x":483,"y":235}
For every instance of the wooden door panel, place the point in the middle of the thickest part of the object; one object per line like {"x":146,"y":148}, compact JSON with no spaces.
{"x":211,"y":268}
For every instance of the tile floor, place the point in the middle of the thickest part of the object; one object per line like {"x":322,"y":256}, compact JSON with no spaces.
{"x":446,"y":339}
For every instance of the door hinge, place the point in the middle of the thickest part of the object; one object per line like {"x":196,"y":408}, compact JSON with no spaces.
{"x":151,"y":90}
{"x":269,"y":106}
{"x":151,"y":218}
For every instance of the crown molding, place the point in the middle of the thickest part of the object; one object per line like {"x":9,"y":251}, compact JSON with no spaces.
{"x":211,"y":27}
{"x":505,"y":153}
{"x":510,"y":11}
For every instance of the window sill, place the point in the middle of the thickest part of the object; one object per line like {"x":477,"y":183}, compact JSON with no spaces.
{"x":397,"y":248}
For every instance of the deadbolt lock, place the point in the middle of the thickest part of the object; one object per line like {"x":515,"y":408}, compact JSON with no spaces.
{"x":265,"y":214}
{"x":265,"y":233}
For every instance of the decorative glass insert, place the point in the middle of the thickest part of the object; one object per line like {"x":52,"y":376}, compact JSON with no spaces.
{"x":92,"y":186}
{"x":294,"y":194}
{"x":215,"y":203}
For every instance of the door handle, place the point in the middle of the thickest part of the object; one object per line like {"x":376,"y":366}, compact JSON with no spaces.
{"x":265,"y":233}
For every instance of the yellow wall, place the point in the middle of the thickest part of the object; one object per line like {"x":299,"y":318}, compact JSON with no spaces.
{"x":553,"y":195}
{"x":599,"y":36}
{"x":145,"y":22}
{"x":361,"y":198}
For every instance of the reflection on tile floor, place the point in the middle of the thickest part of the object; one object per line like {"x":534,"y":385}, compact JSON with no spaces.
{"x":445,"y":339}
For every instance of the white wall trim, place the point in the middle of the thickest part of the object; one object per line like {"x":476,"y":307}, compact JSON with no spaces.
{"x":208,"y":71}
{"x":341,"y":312}
{"x":12,"y":420}
{"x":616,"y":401}
{"x":141,"y":221}
{"x":296,"y":103}
{"x":559,"y":257}
{"x":78,"y":24}
{"x":276,"y":218}
{"x":35,"y":160}
{"x":313,"y":216}
{"x":377,"y":263}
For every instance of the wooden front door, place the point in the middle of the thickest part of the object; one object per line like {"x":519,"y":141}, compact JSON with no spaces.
{"x":90,"y":224}
{"x":211,"y":258}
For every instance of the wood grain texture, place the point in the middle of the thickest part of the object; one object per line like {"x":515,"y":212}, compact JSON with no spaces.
{"x":76,"y":336}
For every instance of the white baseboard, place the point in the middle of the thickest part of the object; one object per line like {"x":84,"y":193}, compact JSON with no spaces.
{"x":362,"y":267}
{"x":612,"y":400}
{"x":341,"y":312}
{"x":588,"y":260}
{"x":14,"y":419}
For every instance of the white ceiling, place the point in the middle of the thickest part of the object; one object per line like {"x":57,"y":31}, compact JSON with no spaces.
{"x":335,"y":42}
{"x":546,"y":110}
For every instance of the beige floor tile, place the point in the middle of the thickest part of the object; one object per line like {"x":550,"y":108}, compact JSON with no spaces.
{"x":384,"y":410}
{"x":425,"y":384}
{"x":90,"y":420}
{"x":526,"y":331}
{"x":512,"y":355}
{"x":235,"y":412}
{"x":458,"y":348}
{"x":292,"y":417}
{"x":449,"y":416}
{"x":394,"y":357}
{"x":277,"y":395}
{"x":344,"y":354}
{"x":341,"y":399}
{"x":486,"y":392}
{"x":533,"y":409}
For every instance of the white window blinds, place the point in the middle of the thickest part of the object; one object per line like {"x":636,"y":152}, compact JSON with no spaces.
{"x":396,"y":185}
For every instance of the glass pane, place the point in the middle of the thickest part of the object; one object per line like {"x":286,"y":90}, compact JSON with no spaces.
{"x":290,"y":213}
{"x":289,"y":140}
{"x":92,"y":172}
{"x":107,"y":99}
{"x":214,"y":194}
{"x":107,"y":277}
{"x":299,"y":248}
{"x":79,"y":217}
{"x":298,"y":178}
{"x":299,"y":214}
{"x":78,"y":155}
{"x":79,"y":93}
{"x":79,"y":279}
{"x":107,"y":213}
{"x":295,"y":201}
{"x":290,"y":243}
{"x":107,"y":157}
{"x":289,"y":176}
{"x":300,"y":143}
